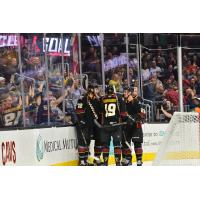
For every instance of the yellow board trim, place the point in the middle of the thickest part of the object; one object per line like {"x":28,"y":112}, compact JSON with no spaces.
{"x":111,"y":161}
{"x":69,"y":163}
{"x":146,"y":157}
{"x":182,"y":155}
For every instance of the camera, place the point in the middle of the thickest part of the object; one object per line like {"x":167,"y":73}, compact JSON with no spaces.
{"x":166,"y":105}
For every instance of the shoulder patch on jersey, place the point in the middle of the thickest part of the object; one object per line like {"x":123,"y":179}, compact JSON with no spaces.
{"x":113,"y":100}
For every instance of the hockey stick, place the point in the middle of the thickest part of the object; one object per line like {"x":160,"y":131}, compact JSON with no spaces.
{"x":108,"y":126}
{"x":126,"y":142}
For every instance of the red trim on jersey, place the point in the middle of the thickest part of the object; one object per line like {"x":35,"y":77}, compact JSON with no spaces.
{"x":80,"y":110}
{"x":117,"y":150}
{"x":123,"y":114}
{"x":138,"y":125}
{"x":142,"y":115}
{"x":105,"y":150}
{"x":138,"y":150}
{"x":82,"y":149}
{"x":97,"y":149}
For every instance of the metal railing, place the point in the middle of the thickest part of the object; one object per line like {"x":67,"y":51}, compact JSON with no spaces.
{"x":150,"y":111}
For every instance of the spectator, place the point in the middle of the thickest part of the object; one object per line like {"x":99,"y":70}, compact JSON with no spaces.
{"x":145,"y":73}
{"x":150,"y":89}
{"x":2,"y":82}
{"x":132,"y":74}
{"x":115,"y":81}
{"x":169,"y":71}
{"x":196,"y":102}
{"x":185,"y":60}
{"x":195,"y":60}
{"x":197,"y":88}
{"x":154,"y":70}
{"x":171,"y":59}
{"x":72,"y":95}
{"x":189,"y":97}
{"x":172,"y":95}
{"x":160,"y":63}
{"x":167,"y":110}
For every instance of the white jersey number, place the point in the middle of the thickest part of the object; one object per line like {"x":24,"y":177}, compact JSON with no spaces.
{"x":110,"y":109}
{"x":11,"y":119}
{"x":80,"y":105}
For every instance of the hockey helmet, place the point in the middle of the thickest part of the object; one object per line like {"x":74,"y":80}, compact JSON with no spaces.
{"x":90,"y":89}
{"x":110,"y":89}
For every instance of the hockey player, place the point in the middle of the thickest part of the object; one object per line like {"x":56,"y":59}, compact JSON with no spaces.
{"x":113,"y":112}
{"x":87,"y":111}
{"x":133,"y":131}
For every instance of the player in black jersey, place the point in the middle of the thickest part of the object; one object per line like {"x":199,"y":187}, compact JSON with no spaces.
{"x":113,"y":113}
{"x":87,"y":111}
{"x":133,"y":131}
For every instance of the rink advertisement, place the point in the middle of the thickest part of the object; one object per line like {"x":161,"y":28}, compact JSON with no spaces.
{"x":153,"y":136}
{"x":31,"y":147}
{"x":56,"y":147}
{"x":16,"y":148}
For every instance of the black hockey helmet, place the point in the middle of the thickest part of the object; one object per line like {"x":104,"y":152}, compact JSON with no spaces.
{"x":129,"y":89}
{"x":90,"y":89}
{"x":109,"y":89}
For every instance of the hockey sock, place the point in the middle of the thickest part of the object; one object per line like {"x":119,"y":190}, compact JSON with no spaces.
{"x":124,"y":152}
{"x":97,"y":151}
{"x":83,"y":153}
{"x":105,"y":151}
{"x":138,"y":152}
{"x":117,"y":152}
{"x":127,"y":157}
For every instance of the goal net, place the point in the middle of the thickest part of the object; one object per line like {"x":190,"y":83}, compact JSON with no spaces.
{"x":181,"y":143}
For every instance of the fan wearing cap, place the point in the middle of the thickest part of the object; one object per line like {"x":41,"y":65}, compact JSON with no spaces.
{"x":87,"y":111}
{"x":113,"y":110}
{"x":133,"y":131}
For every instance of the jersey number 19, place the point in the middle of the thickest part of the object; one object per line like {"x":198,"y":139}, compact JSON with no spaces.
{"x":110,"y":109}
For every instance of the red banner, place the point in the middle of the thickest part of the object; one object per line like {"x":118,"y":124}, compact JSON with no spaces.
{"x":75,"y":65}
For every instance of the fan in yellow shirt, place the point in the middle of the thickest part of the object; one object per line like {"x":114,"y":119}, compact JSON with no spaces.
{"x":115,"y":81}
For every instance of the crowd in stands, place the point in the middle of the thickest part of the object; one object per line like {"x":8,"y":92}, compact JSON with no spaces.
{"x":48,"y":98}
{"x":159,"y":75}
{"x":51,"y":100}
